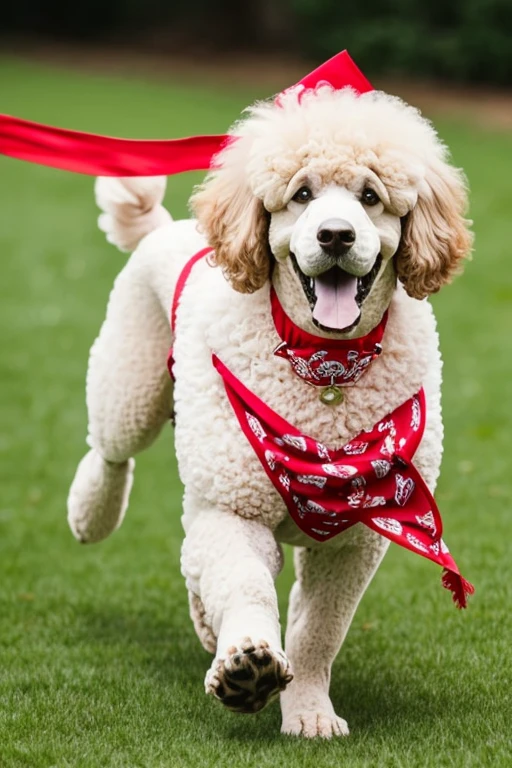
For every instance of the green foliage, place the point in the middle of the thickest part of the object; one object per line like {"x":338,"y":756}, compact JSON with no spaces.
{"x":461,"y":40}
{"x":99,"y":663}
{"x":465,"y":40}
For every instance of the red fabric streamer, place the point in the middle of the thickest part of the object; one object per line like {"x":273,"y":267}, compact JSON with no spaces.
{"x":98,"y":155}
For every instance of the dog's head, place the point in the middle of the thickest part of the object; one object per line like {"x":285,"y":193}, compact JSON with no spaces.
{"x":340,"y":193}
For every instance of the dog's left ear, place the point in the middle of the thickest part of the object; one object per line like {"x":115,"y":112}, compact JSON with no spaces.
{"x":435,"y":234}
{"x":235,"y":222}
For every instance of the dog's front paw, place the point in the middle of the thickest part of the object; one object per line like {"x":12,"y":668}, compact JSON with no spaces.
{"x":248,"y":676}
{"x":312,"y":724}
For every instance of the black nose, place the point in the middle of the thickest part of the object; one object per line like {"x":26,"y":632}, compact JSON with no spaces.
{"x":336,"y":236}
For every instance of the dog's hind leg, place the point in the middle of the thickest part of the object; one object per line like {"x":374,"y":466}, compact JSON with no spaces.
{"x":330,"y":583}
{"x":230,"y":564}
{"x":129,"y":391}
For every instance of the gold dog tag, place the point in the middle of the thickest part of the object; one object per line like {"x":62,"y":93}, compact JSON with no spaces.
{"x":331,"y":395}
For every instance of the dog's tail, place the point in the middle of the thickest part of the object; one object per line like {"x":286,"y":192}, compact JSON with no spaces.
{"x":132,"y":208}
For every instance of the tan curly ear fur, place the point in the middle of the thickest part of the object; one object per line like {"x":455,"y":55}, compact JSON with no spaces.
{"x":435,"y":234}
{"x":235,"y":223}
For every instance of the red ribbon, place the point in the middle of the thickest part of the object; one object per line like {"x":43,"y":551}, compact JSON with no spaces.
{"x":98,"y":155}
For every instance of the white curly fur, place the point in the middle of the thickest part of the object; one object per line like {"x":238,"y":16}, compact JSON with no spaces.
{"x":233,"y":518}
{"x":132,"y":208}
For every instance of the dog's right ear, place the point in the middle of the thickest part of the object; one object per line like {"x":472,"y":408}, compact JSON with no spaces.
{"x":235,"y":222}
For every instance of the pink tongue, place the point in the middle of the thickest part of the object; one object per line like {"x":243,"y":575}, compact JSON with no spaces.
{"x":336,"y":305}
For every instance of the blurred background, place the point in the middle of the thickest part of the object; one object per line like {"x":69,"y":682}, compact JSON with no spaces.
{"x":99,"y":663}
{"x":460,"y":41}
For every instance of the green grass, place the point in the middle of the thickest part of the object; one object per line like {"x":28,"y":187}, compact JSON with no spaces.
{"x":99,"y":664}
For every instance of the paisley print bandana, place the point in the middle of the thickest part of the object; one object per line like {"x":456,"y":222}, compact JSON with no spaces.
{"x":370,"y":480}
{"x":324,"y":362}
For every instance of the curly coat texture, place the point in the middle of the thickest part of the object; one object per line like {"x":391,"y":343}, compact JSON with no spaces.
{"x":234,"y":519}
{"x":335,"y":135}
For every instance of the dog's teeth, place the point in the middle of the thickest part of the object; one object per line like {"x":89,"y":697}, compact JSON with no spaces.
{"x":311,"y":282}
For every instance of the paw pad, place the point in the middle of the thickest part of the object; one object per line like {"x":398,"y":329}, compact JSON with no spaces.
{"x":249,"y":677}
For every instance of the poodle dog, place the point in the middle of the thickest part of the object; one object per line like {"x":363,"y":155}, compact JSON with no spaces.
{"x":342,"y":209}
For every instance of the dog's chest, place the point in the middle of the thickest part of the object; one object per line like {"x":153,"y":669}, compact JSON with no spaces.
{"x":216,"y":461}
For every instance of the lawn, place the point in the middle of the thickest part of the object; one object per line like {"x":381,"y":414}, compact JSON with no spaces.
{"x":99,"y":664}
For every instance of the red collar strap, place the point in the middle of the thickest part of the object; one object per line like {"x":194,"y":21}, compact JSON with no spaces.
{"x":106,"y":156}
{"x":180,"y":284}
{"x":182,"y":279}
{"x":330,"y":363}
{"x":326,"y":363}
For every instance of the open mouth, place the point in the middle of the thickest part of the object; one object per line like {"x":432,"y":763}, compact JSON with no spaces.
{"x":336,"y":296}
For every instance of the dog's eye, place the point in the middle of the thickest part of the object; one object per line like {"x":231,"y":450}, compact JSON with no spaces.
{"x":369,"y":196}
{"x":303,"y":195}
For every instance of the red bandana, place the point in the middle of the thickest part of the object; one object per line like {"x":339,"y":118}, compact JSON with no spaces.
{"x":370,"y":480}
{"x":324,"y":362}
